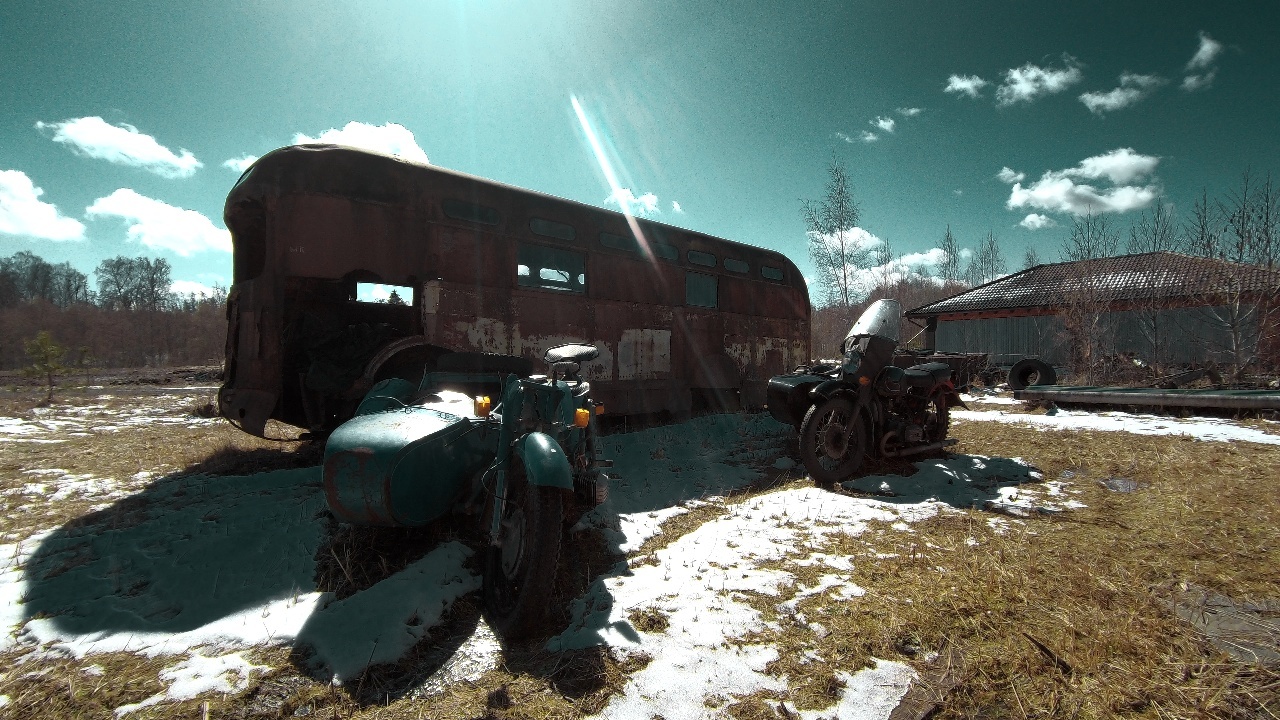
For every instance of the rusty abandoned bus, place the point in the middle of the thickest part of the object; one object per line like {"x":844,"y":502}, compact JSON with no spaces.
{"x":483,"y":267}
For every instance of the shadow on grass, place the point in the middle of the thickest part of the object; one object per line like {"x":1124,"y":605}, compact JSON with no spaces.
{"x":230,"y":549}
{"x":961,"y":481}
{"x":192,"y":548}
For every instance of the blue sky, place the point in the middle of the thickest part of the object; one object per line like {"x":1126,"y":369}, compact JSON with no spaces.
{"x":118,"y":117}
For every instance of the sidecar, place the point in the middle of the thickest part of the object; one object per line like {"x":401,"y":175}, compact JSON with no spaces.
{"x":410,"y":453}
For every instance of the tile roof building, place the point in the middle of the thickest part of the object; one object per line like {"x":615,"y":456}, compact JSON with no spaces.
{"x":1163,"y":306}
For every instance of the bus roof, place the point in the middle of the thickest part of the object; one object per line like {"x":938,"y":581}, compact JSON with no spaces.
{"x":376,"y":177}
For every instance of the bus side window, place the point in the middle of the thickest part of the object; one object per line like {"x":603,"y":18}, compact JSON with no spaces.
{"x":700,"y":290}
{"x":551,"y":268}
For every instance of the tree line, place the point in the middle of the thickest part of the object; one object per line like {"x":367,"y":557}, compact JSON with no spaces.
{"x":133,"y":319}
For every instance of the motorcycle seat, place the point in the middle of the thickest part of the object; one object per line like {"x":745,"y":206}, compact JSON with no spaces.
{"x":926,"y":375}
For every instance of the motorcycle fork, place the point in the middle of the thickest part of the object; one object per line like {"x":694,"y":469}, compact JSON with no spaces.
{"x":499,"y":506}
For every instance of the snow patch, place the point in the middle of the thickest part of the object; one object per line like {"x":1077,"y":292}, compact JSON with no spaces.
{"x":200,"y":674}
{"x":1215,"y":429}
{"x":379,"y":624}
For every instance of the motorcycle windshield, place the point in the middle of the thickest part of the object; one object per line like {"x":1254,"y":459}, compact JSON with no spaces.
{"x":881,"y":319}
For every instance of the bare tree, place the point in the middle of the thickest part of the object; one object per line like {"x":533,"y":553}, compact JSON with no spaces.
{"x":1157,"y":232}
{"x":26,"y":277}
{"x":1200,"y":234}
{"x":987,"y":263}
{"x":1084,"y":304}
{"x":835,"y":250}
{"x":117,"y":283}
{"x":1239,"y":232}
{"x":949,"y":267}
{"x":882,"y":259}
{"x":1030,"y":259}
{"x":1092,"y":236}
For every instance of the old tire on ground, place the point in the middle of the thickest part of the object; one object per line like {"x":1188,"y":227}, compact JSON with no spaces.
{"x":833,"y":440}
{"x":476,"y":362}
{"x":519,"y":575}
{"x":1031,"y":371}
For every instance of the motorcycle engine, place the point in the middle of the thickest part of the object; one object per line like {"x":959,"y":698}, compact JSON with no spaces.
{"x":913,"y":433}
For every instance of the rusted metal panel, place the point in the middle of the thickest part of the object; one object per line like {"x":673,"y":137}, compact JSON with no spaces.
{"x":644,"y":354}
{"x":308,"y":223}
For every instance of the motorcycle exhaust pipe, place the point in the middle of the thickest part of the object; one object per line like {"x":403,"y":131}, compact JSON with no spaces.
{"x":917,"y":449}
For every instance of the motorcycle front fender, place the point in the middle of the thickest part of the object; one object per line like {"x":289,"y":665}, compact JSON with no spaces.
{"x":830,"y":388}
{"x":545,"y":462}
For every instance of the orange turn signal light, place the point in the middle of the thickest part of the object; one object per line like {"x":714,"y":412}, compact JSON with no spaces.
{"x":482,"y":405}
{"x":864,"y":380}
{"x":581,"y":417}
{"x":599,"y":409}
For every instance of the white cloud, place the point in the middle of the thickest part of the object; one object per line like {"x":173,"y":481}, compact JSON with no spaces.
{"x":161,"y":226}
{"x":191,"y":287}
{"x":957,"y":192}
{"x":909,"y":111}
{"x":240,"y":164}
{"x":1191,"y":83}
{"x":1060,"y":191}
{"x":1007,"y":175}
{"x":1205,"y":54}
{"x":675,"y":207}
{"x":1120,"y":166}
{"x":1035,"y":221}
{"x":1202,"y":61}
{"x":391,"y":138}
{"x":1026,"y":83}
{"x":845,"y":137}
{"x":1133,"y":87}
{"x":22,"y":212}
{"x":646,"y":204}
{"x":884,"y":123}
{"x":912,"y":266}
{"x":967,"y":85}
{"x":121,"y":144}
{"x":856,"y":240}
{"x":868,"y":136}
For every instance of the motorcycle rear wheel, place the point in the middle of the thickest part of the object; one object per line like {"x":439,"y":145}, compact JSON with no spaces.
{"x":833,"y":441}
{"x":939,"y":420}
{"x":519,"y":575}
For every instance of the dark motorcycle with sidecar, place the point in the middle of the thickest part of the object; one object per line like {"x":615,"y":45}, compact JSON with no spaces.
{"x":865,"y":405}
{"x":412,"y":454}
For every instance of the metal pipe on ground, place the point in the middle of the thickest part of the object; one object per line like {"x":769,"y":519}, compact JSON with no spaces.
{"x":1227,"y":399}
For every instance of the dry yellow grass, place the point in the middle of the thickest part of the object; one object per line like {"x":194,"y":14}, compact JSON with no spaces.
{"x":1051,"y":616}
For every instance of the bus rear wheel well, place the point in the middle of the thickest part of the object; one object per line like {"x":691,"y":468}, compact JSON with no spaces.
{"x":407,"y":358}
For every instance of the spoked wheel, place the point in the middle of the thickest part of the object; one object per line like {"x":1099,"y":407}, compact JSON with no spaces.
{"x":519,"y":574}
{"x":937,"y":418}
{"x":833,"y":441}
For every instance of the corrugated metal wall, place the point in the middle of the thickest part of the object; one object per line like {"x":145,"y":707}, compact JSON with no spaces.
{"x":1177,"y":336}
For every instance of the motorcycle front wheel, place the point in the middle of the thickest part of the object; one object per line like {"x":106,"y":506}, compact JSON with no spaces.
{"x":519,"y":574}
{"x":833,"y":441}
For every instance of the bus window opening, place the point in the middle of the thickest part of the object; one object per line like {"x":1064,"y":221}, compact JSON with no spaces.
{"x":384,"y":294}
{"x":551,"y":268}
{"x":700,"y":290}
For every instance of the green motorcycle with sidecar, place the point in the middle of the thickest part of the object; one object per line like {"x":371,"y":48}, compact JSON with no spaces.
{"x":413,"y":454}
